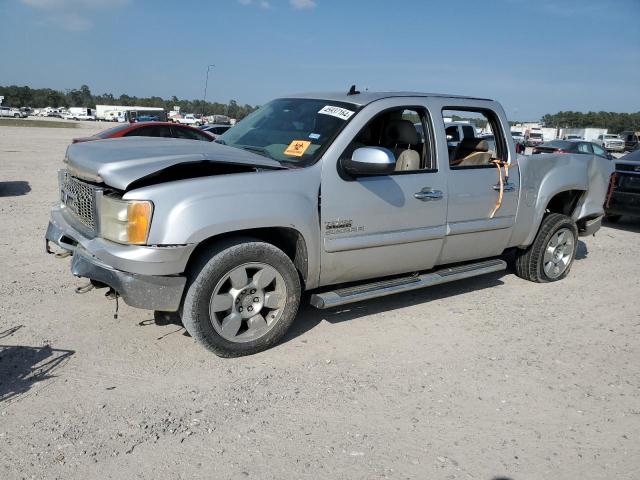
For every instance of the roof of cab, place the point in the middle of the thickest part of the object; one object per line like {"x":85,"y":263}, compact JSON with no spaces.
{"x":365,"y":98}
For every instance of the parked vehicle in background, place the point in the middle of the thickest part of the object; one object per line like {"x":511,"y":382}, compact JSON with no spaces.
{"x":572,"y":137}
{"x":215,"y":130}
{"x":78,"y":116}
{"x":610,"y":142}
{"x":149,"y":129}
{"x":55,"y":112}
{"x":533,"y":137}
{"x":11,"y":112}
{"x":631,"y":141}
{"x":457,"y":131}
{"x":572,"y":146}
{"x":517,"y":135}
{"x":219,"y":120}
{"x":188,"y":119}
{"x":123,"y":113}
{"x":624,"y":194}
{"x":311,"y":192}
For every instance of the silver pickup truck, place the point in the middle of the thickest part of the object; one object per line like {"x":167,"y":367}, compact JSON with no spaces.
{"x":348,"y":195}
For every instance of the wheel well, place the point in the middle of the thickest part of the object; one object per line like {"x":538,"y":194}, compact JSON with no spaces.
{"x":289,"y":240}
{"x":564,"y":202}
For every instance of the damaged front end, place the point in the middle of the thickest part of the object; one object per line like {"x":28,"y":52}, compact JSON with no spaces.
{"x":108,"y":233}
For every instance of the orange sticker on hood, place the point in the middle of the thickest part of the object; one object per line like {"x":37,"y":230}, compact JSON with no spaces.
{"x":297,"y":148}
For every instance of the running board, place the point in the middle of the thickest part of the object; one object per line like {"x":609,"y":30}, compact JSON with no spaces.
{"x":404,"y":284}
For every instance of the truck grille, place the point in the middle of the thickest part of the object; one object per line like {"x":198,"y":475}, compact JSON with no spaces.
{"x":80,"y":198}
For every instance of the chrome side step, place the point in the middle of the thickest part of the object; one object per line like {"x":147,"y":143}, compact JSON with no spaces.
{"x":404,"y":284}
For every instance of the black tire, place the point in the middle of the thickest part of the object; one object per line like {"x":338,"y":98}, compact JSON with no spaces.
{"x":210,"y":268}
{"x":529,"y":262}
{"x":612,"y":218}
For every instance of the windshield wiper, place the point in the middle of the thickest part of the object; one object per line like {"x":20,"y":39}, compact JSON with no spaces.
{"x":220,"y":141}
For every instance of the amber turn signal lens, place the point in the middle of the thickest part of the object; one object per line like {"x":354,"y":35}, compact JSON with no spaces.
{"x":139,"y":218}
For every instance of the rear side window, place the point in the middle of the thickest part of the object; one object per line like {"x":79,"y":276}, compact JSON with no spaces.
{"x":189,"y":134}
{"x":150,"y":131}
{"x":584,"y":148}
{"x":598,"y":150}
{"x":473,"y":149}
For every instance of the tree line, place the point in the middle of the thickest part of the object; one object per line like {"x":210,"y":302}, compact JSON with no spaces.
{"x":15,"y":96}
{"x":613,"y":121}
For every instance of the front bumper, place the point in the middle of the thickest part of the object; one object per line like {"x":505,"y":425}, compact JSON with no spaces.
{"x":152,"y":282}
{"x":614,"y":147}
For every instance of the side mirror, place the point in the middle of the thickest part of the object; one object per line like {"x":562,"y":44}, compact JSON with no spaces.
{"x":369,"y":161}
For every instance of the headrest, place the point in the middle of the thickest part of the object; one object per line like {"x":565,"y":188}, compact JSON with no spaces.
{"x":401,"y":132}
{"x":473,"y":145}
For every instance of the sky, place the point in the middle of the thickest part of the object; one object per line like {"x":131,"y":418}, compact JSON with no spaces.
{"x":534,"y":56}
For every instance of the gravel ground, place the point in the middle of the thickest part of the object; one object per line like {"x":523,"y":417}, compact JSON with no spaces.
{"x":489,"y":377}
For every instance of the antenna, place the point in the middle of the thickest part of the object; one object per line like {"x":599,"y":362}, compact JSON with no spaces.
{"x":353,"y":91}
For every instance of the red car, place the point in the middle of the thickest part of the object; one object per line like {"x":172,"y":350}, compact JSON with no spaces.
{"x":150,"y":129}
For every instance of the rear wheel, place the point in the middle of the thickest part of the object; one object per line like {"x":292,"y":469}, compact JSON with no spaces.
{"x":242,"y":298}
{"x":550,"y":257}
{"x":612,"y":218}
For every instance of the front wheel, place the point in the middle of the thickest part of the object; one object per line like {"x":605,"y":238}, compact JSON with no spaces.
{"x":550,"y":257}
{"x":242,"y":298}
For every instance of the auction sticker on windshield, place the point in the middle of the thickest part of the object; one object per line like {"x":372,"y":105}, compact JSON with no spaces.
{"x":339,"y":112}
{"x":297,"y":148}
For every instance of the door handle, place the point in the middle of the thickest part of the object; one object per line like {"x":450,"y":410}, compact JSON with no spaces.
{"x":507,"y":187}
{"x":427,"y":195}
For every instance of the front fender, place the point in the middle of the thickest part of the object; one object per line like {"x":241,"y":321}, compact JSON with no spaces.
{"x":191,"y":211}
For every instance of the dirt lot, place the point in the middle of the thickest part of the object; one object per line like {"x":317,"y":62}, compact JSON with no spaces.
{"x":490,"y":377}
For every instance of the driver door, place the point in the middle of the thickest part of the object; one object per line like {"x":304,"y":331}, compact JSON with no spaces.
{"x":380,"y":225}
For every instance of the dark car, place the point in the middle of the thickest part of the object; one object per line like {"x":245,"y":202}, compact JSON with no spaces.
{"x":631,"y":141}
{"x":215,"y":129}
{"x":150,"y":129}
{"x":571,"y":146}
{"x":623,"y":197}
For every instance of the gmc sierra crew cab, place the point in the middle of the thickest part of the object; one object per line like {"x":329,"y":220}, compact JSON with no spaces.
{"x":350,"y":196}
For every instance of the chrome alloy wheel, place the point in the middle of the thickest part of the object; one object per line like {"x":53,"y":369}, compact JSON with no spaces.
{"x":558,"y":254}
{"x":247,"y":302}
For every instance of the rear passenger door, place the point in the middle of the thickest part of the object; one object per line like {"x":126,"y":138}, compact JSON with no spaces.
{"x":473,"y":183}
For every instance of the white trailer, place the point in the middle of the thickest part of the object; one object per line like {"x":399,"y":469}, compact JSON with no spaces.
{"x":102,"y":110}
{"x":589,"y":134}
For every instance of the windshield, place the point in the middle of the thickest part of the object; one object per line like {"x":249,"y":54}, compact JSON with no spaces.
{"x":536,"y":135}
{"x":611,"y":136}
{"x":290,"y":130}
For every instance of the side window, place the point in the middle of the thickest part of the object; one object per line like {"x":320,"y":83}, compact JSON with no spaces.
{"x":598,"y":150}
{"x":189,"y":134}
{"x":406,"y":132}
{"x":584,"y":148}
{"x":141,"y":132}
{"x":482,"y":140}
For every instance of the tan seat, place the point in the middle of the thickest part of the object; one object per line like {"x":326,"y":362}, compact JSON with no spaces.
{"x":400,"y":136}
{"x":470,"y":152}
{"x":408,"y":160}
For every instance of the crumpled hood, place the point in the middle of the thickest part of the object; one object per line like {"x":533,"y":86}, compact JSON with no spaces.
{"x":120,"y":162}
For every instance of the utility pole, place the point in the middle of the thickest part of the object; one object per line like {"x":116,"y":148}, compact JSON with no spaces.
{"x":206,"y":83}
